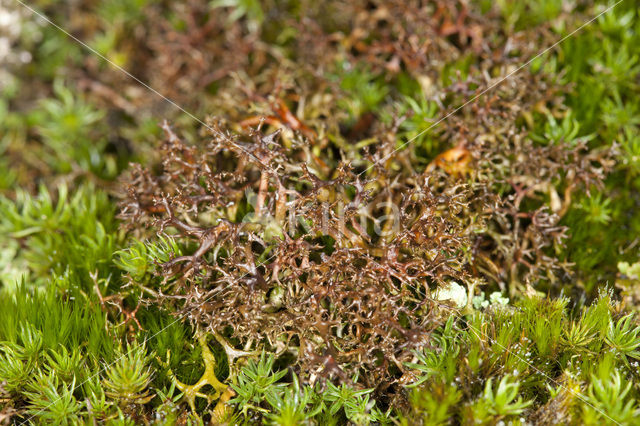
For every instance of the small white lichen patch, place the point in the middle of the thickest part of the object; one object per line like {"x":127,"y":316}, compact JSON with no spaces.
{"x":632,"y":271}
{"x":453,"y":292}
{"x":496,"y":299}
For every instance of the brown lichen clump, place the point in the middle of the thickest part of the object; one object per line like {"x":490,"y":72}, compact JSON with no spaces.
{"x":322,"y":268}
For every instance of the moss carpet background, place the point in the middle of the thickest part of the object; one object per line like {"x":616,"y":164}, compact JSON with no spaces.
{"x":507,"y":294}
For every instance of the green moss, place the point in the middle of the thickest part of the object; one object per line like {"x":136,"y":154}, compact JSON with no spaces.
{"x":501,"y":364}
{"x":69,"y":234}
